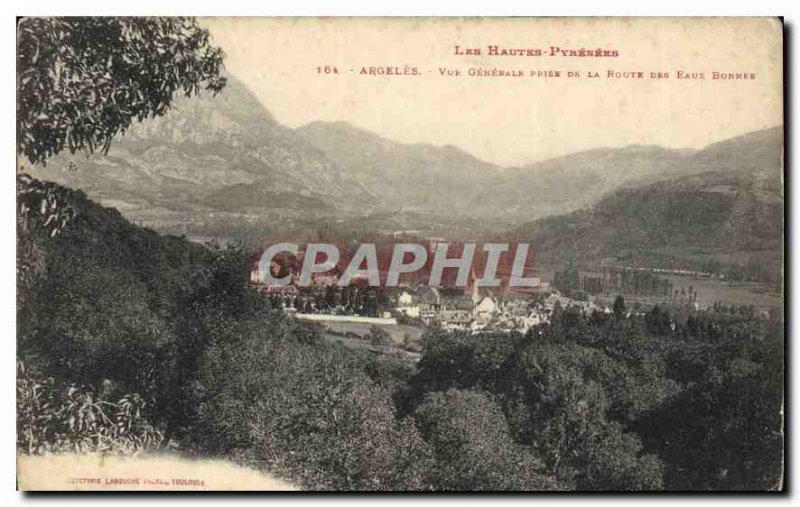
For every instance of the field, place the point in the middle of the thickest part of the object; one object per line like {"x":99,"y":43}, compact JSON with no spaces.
{"x":710,"y":290}
{"x":759,"y":295}
{"x":397,"y":331}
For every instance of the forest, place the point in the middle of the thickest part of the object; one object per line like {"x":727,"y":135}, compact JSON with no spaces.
{"x":129,"y":341}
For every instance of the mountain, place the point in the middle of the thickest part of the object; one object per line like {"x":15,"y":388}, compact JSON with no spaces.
{"x":406,"y":176}
{"x":732,"y":212}
{"x":194,"y":158}
{"x":220,"y":165}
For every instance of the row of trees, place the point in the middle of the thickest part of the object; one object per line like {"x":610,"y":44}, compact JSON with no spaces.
{"x":612,"y":281}
{"x":350,"y":300}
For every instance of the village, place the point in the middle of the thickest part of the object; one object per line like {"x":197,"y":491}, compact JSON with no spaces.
{"x":471,"y":308}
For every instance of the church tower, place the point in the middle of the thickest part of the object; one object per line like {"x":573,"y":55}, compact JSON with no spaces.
{"x":475,"y":293}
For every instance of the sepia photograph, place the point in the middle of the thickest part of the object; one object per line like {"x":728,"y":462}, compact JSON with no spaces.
{"x":407,"y":254}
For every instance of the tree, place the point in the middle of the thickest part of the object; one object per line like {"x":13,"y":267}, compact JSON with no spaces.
{"x":619,"y":307}
{"x":331,"y":428}
{"x":408,"y":343}
{"x":473,"y":447}
{"x":82,"y":81}
{"x":380,"y":336}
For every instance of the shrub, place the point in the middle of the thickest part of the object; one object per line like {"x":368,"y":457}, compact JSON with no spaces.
{"x":308,"y":410}
{"x":380,"y":336}
{"x":74,"y":419}
{"x":473,"y":448}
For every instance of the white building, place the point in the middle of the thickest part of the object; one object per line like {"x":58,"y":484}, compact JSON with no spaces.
{"x":407,"y":305}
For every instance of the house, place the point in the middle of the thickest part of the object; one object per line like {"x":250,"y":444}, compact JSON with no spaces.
{"x":556,"y":298}
{"x":429,"y":297}
{"x":405,"y":299}
{"x":455,"y":319}
{"x":325,"y":279}
{"x":280,"y":290}
{"x":484,"y":309}
{"x":407,"y":304}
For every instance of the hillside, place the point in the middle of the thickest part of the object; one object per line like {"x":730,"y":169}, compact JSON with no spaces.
{"x":410,"y":177}
{"x":155,"y":330}
{"x":732,"y":213}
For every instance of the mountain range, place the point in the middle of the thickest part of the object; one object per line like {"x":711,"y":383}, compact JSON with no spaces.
{"x":224,"y":160}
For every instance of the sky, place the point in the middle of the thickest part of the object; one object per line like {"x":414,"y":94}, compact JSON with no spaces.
{"x":514,"y":120}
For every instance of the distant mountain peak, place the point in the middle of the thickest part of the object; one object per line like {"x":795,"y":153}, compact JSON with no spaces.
{"x":326,"y":132}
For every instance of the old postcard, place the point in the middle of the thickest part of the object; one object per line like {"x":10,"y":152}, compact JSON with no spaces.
{"x":420,"y":254}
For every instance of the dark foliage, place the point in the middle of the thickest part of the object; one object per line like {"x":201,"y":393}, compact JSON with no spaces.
{"x":52,"y":418}
{"x":307,"y":410}
{"x":473,"y":447}
{"x":81,"y":81}
{"x":676,"y":400}
{"x":669,"y":400}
